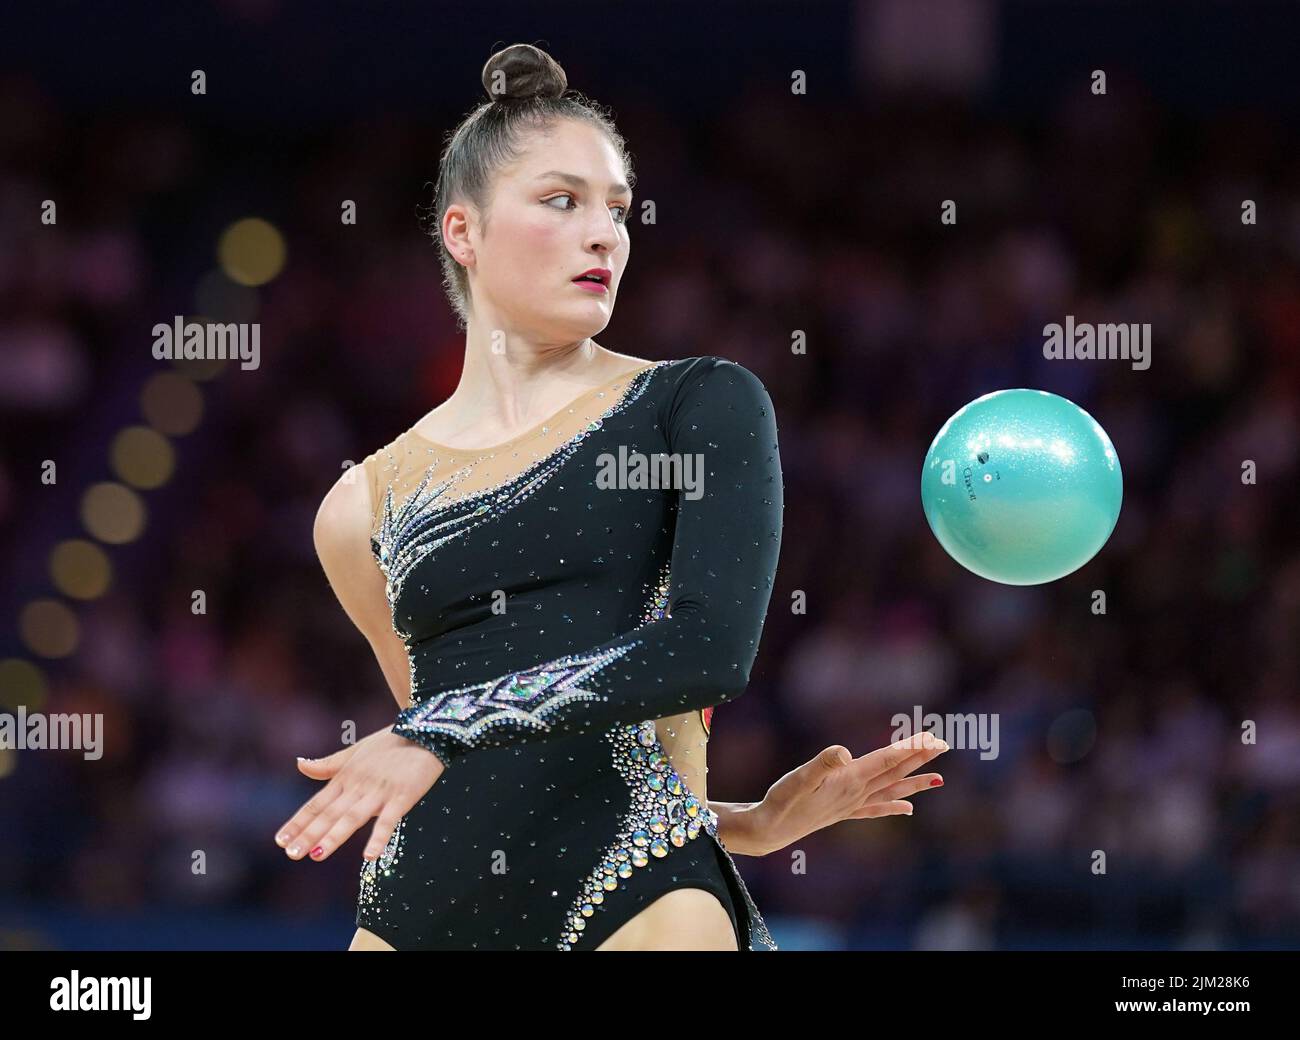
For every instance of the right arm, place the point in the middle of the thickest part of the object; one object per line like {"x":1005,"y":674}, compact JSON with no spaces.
{"x":342,"y":537}
{"x":382,"y":775}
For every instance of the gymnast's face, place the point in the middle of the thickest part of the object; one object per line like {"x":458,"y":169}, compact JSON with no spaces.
{"x":560,"y":210}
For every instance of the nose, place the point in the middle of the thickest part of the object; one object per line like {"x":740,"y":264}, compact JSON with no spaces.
{"x":602,"y":235}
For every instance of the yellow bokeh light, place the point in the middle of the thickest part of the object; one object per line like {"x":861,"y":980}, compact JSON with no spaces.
{"x":80,"y":569}
{"x":21,"y":682}
{"x":251,"y":251}
{"x":171,"y":404}
{"x":113,"y":513}
{"x":142,"y":457}
{"x":48,"y":628}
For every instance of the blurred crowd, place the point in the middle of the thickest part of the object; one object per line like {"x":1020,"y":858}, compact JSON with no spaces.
{"x":1119,"y":732}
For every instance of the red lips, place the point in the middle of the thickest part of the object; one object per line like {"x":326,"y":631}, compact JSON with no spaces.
{"x":601,"y":274}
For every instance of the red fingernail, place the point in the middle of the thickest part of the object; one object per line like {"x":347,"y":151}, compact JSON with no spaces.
{"x":316,"y":851}
{"x":937,"y":782}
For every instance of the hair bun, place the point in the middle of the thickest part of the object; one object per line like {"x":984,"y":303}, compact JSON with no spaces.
{"x":522,"y":71}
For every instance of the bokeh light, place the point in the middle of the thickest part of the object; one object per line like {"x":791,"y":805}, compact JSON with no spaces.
{"x":48,"y":628}
{"x":171,"y":404}
{"x":113,"y":513}
{"x":142,"y":457}
{"x":251,"y":251}
{"x":80,"y":569}
{"x":21,"y":682}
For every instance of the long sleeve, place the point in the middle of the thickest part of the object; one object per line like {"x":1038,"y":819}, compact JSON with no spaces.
{"x":724,"y":557}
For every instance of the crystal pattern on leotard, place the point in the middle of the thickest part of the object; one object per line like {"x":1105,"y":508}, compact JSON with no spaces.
{"x":423,"y":522}
{"x":372,"y":870}
{"x":429,"y":517}
{"x":523,"y":698}
{"x":664,"y":813}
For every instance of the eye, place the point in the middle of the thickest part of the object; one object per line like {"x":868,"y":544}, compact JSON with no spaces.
{"x":620,"y":219}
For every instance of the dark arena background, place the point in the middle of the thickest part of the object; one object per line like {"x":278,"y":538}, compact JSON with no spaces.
{"x":876,"y":207}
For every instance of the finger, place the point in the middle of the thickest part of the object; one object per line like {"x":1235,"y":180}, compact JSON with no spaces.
{"x":898,"y":759}
{"x":812,"y":773}
{"x":828,"y":760}
{"x":873,"y":769}
{"x":324,"y":768}
{"x":899,"y":772}
{"x":835,"y":757}
{"x":383,"y":832}
{"x":910,"y":786}
{"x":344,"y":827}
{"x":315,"y":805}
{"x":312,"y":834}
{"x":865,"y":773}
{"x":872,"y":810}
{"x":918,"y":743}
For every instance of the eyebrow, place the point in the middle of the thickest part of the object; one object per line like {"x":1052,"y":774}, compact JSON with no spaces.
{"x":619,"y":188}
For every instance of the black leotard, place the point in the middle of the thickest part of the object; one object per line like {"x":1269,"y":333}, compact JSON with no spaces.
{"x":550,"y":618}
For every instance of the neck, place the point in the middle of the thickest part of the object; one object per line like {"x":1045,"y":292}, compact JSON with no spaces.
{"x":509,"y":381}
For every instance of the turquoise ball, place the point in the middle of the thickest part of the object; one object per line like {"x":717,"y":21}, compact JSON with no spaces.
{"x":1022,"y":487}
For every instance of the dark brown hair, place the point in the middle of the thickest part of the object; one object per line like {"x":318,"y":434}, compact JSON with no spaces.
{"x":528,"y":93}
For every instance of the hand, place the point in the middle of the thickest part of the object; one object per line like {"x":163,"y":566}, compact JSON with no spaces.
{"x":381,"y":775}
{"x":829,"y":789}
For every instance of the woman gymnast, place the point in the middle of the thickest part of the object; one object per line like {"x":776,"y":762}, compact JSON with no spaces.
{"x":556,"y":626}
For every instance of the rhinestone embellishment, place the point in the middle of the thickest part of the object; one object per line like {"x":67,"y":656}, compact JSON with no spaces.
{"x":664,"y":815}
{"x":372,"y":870}
{"x":523,"y":698}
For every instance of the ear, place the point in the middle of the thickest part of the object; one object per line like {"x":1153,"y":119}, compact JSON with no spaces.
{"x":456,"y":234}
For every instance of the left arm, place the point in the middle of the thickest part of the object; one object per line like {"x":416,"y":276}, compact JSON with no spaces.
{"x":723,"y":565}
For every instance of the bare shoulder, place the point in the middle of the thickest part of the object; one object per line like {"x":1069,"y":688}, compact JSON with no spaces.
{"x":342,"y":526}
